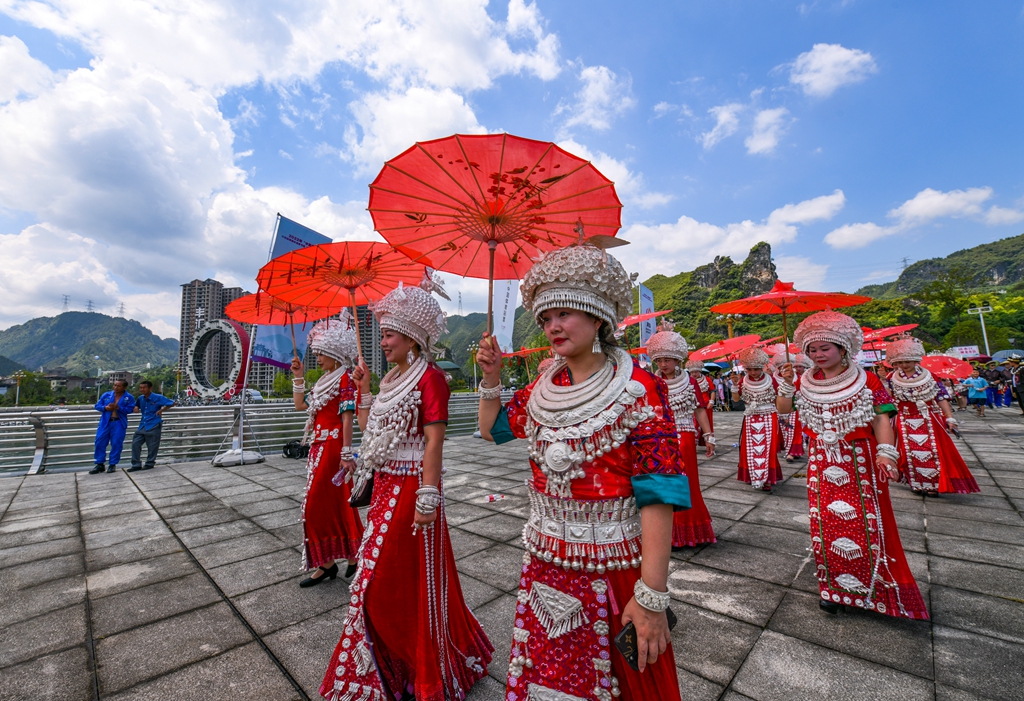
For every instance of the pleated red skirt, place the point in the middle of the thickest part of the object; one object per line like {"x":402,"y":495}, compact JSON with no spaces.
{"x":692,"y":526}
{"x":331,"y":528}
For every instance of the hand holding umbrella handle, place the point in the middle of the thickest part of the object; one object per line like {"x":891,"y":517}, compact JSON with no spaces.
{"x":361,"y":376}
{"x":297,"y":369}
{"x":488,"y":357}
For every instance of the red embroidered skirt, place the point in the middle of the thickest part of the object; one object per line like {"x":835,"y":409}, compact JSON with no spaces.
{"x":929,"y":460}
{"x":759,"y":446}
{"x":332,"y":529}
{"x":692,"y":526}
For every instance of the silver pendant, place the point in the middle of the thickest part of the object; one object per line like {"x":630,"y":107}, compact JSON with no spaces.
{"x":558,"y":457}
{"x":830,"y":436}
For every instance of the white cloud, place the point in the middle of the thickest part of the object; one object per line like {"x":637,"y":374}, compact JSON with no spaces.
{"x":726,"y":123}
{"x":391,"y":122}
{"x":630,"y":186}
{"x":923,"y":208}
{"x":602,"y":97}
{"x":687,"y":243}
{"x":827,"y":67}
{"x":768,"y":127}
{"x":801,"y":270}
{"x":20,"y":74}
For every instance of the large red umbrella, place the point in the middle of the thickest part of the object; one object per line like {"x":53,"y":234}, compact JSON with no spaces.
{"x":454,"y":203}
{"x":727,"y":346}
{"x":879,"y":334}
{"x":344,"y":272}
{"x":783,"y":299}
{"x":946,"y":367}
{"x":262,"y":308}
{"x":640,"y":318}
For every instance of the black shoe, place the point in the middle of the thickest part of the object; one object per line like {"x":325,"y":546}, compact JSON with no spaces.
{"x":148,"y":467}
{"x":134,"y":468}
{"x":99,"y":469}
{"x":328,"y":573}
{"x":111,"y":468}
{"x":829,"y":607}
{"x":351,"y":569}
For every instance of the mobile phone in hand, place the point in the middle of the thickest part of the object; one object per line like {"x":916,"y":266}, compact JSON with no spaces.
{"x":627,"y":643}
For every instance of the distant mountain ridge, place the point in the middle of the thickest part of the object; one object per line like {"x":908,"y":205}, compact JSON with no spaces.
{"x":72,"y":340}
{"x":1000,"y":263}
{"x":8,"y":366}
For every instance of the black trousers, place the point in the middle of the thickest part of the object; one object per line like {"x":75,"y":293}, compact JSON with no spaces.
{"x":152,"y":440}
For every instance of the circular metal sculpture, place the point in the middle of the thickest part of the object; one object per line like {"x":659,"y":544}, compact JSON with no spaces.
{"x":198,"y":377}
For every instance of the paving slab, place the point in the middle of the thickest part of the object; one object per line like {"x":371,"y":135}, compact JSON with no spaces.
{"x":61,"y":676}
{"x":979,"y":664}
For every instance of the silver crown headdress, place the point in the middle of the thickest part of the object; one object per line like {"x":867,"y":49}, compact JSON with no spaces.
{"x":668,"y":344}
{"x":832,"y":327}
{"x":335,"y":339}
{"x":412,"y":311}
{"x":753,"y":357}
{"x":904,"y":349}
{"x":579,"y":277}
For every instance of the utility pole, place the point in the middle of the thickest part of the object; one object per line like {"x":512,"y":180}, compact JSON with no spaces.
{"x":905,"y":261}
{"x":460,"y":304}
{"x":981,"y":312}
{"x":65,"y":306}
{"x":120,"y":310}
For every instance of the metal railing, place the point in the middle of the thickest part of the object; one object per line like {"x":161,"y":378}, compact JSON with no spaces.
{"x":35,"y":440}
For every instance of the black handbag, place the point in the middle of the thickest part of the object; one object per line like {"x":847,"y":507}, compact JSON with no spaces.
{"x":362,"y":492}
{"x":295,"y":450}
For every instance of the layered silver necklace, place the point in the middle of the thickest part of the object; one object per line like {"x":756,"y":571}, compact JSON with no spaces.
{"x":921,"y":388}
{"x":682,"y":400}
{"x":393,"y":417}
{"x":325,"y":389}
{"x":833,"y":408}
{"x":758,"y":395}
{"x":570,"y":425}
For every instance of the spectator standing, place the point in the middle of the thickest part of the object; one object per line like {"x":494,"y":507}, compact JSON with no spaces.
{"x":1016,"y":379}
{"x":114,"y":407}
{"x":994,"y":377}
{"x":151,"y":405}
{"x":977,"y":391}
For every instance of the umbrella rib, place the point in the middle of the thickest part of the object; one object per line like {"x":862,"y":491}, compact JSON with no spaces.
{"x":399,"y":193}
{"x":445,"y":170}
{"x":472,"y":172}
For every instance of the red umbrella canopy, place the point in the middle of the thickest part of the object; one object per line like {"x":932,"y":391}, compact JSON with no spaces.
{"x":943,"y":366}
{"x":725,"y":347}
{"x":261,"y":308}
{"x":640,"y":318}
{"x":448,"y":201}
{"x":524,"y":352}
{"x":783,"y":299}
{"x":773,"y":349}
{"x":879,"y":334}
{"x":341,"y":273}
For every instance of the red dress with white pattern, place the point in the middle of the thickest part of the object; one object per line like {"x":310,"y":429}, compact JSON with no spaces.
{"x":929,"y":460}
{"x":331,"y":528}
{"x":857,"y":549}
{"x":567,"y":616}
{"x":759,"y":436}
{"x":707,"y":388}
{"x":692,"y":526}
{"x":408,"y":627}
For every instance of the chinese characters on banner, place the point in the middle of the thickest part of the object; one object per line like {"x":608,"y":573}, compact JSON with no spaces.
{"x":506,"y":297}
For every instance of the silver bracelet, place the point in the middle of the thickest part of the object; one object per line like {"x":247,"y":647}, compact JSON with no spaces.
{"x":709,"y":438}
{"x":887,"y":450}
{"x":366,"y":401}
{"x":346,"y":452}
{"x":786,"y":389}
{"x":428,"y":498}
{"x":650,"y":599}
{"x":299,"y":385}
{"x":488,"y":393}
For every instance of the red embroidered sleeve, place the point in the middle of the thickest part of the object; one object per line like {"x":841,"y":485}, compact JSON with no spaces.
{"x":655,"y":442}
{"x":434,"y":394}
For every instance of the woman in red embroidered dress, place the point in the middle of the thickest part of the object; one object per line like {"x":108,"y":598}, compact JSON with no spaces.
{"x":792,"y":443}
{"x":409,"y":633}
{"x":929,"y":459}
{"x":759,"y":436}
{"x":857,"y":549}
{"x":695,"y":368}
{"x":331,"y":528}
{"x":605,"y":478}
{"x":668,"y":350}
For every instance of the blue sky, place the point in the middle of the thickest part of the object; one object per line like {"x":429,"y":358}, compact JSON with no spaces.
{"x":148,"y":145}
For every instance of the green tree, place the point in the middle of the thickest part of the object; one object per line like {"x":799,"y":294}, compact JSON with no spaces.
{"x":282,"y":384}
{"x":35,"y":391}
{"x":968,"y":333}
{"x":949,"y":291}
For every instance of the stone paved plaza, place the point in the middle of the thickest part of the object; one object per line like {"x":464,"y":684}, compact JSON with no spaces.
{"x":182,"y":582}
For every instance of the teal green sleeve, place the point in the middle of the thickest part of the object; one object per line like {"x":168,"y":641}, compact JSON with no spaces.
{"x":657,"y":488}
{"x":501,"y":431}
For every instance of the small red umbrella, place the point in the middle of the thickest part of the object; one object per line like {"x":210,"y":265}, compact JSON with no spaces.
{"x":783,"y":299}
{"x":772,"y":349}
{"x":454,"y":203}
{"x":879,"y":334}
{"x":640,"y":318}
{"x":262,"y":308}
{"x":344,"y":272}
{"x":946,"y":367}
{"x":726,"y":346}
{"x":524,"y":352}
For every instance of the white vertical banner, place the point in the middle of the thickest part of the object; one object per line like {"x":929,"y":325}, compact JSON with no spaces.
{"x":647,"y":328}
{"x":506,"y":298}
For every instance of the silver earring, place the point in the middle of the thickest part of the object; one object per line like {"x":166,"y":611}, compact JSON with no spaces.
{"x":845,"y":361}
{"x":596,"y":348}
{"x":410,"y":357}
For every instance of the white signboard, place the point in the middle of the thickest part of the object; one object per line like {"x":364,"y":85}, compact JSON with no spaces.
{"x":964,"y":351}
{"x":647,"y":328}
{"x":506,"y":297}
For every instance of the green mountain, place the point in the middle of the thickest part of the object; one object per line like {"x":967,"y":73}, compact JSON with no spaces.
{"x":464,"y":330}
{"x":997,"y":264}
{"x":73,"y":339}
{"x":8,"y":366}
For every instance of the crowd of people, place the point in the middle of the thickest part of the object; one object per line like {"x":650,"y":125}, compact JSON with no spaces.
{"x":614,"y":485}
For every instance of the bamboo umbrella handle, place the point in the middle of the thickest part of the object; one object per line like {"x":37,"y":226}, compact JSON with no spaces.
{"x":491,"y":246}
{"x":355,"y":315}
{"x":785,"y":334}
{"x":291,"y":323}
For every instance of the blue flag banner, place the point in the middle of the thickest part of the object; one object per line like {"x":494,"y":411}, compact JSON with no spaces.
{"x":274,"y":343}
{"x":650,"y":327}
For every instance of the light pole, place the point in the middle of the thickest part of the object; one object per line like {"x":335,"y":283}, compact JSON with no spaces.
{"x":473,"y":348}
{"x":17,"y":392}
{"x":981,"y":312}
{"x":729,"y":320}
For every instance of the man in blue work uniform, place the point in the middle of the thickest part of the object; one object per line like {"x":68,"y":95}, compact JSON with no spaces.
{"x":114,"y":406}
{"x":151,"y":424}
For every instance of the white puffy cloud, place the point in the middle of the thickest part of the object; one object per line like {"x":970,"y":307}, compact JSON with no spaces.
{"x":923,"y":208}
{"x":630,"y":186}
{"x":390,"y":122}
{"x":827,"y":67}
{"x":602,"y":97}
{"x":768,"y":127}
{"x":801,"y":270}
{"x":726,"y":123}
{"x":687,"y":243}
{"x":20,"y":74}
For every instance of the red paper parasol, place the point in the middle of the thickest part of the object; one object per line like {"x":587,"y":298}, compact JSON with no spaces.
{"x":726,"y":346}
{"x":344,"y":272}
{"x":783,"y":299}
{"x":524,"y":352}
{"x":879,"y":334}
{"x":453,"y":203}
{"x":946,"y":367}
{"x":261,"y":308}
{"x":771,"y":350}
{"x":640,"y":318}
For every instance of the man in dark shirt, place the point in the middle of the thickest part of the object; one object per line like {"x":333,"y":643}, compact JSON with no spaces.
{"x":1016,"y":373}
{"x":151,"y":406}
{"x":996,"y":382}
